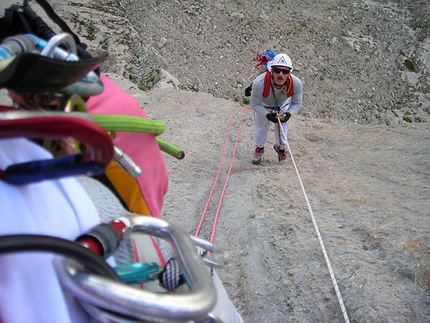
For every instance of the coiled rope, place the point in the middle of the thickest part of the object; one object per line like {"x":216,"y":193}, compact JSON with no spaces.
{"x":327,"y":260}
{"x":247,"y":109}
{"x":115,"y":122}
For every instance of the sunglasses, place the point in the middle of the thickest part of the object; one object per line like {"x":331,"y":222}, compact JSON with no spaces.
{"x":279,"y":70}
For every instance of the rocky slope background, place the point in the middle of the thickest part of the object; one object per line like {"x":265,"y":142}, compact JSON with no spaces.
{"x":363,"y":61}
{"x":360,"y":144}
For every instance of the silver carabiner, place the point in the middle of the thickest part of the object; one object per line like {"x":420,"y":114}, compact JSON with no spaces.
{"x":102,"y":297}
{"x":212,"y":257}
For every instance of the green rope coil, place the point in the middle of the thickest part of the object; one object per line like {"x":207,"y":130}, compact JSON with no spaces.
{"x":113,"y":122}
{"x":170,"y":149}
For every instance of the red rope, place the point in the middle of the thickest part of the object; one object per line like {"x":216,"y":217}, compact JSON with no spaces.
{"x":247,"y":109}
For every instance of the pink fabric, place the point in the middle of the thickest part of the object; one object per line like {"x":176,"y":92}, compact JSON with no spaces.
{"x":141,"y":147}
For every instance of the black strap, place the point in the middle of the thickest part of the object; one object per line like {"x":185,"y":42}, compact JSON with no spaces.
{"x":55,"y":18}
{"x":39,"y":27}
{"x":30,"y":72}
{"x":80,"y":47}
{"x":22,"y":19}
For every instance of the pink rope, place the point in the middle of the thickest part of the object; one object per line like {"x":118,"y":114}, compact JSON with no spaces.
{"x":248,"y":109}
{"x":226,"y":180}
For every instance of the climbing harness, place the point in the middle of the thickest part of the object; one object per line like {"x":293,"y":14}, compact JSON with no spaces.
{"x":26,"y":67}
{"x":327,"y":260}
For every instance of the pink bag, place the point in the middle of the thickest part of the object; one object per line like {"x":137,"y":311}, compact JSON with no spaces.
{"x":144,"y":195}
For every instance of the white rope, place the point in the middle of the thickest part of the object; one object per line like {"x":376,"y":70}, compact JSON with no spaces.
{"x":327,"y":260}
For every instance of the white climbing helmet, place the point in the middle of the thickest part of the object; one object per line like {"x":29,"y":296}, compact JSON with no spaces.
{"x":282,"y":60}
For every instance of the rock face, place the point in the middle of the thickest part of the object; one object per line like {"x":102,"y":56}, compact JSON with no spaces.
{"x":368,"y":191}
{"x":358,"y":163}
{"x":367,"y":62}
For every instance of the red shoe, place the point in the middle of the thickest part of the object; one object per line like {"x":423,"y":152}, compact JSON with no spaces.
{"x":282,"y":154}
{"x":258,"y":153}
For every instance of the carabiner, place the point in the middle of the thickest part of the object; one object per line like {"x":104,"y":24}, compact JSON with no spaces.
{"x":53,"y":125}
{"x":118,"y":302}
{"x":212,"y":257}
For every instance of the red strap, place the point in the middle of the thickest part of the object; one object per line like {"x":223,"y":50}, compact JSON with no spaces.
{"x":6,"y":108}
{"x":59,"y":125}
{"x":261,"y":61}
{"x":290,"y":86}
{"x":266,"y":90}
{"x":267,"y":80}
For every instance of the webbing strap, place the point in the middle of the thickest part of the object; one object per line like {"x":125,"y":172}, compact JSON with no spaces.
{"x":267,"y":82}
{"x":54,"y":17}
